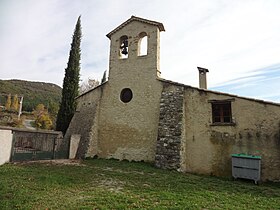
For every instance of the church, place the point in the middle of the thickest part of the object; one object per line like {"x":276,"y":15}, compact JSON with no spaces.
{"x":138,"y":116}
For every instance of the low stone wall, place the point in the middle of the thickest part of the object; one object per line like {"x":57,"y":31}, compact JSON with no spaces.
{"x":14,"y":139}
{"x":39,"y":140}
{"x":170,"y":128}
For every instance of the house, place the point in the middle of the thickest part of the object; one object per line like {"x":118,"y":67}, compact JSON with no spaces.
{"x":137,"y":115}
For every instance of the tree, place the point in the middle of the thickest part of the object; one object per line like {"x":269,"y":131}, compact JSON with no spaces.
{"x":87,"y":85}
{"x":42,"y":117}
{"x":53,"y":108}
{"x":71,"y":82}
{"x":15,"y":103}
{"x":8,"y":102}
{"x":104,"y":77}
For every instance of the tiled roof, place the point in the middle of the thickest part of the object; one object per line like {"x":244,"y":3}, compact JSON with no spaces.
{"x":218,"y":93}
{"x":134,"y":18}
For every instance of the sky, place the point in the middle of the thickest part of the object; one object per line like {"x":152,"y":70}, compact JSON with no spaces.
{"x":237,"y":40}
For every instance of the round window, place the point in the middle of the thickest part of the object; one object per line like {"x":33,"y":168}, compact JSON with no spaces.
{"x":126,"y":95}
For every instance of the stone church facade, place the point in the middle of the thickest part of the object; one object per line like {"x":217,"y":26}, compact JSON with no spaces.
{"x":137,"y":115}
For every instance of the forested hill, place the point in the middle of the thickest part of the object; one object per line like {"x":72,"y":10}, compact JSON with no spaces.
{"x":33,"y":93}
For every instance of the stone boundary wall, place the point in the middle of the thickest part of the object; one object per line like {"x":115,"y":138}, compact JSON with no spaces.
{"x":8,"y":135}
{"x":40,"y":140}
{"x":170,"y":128}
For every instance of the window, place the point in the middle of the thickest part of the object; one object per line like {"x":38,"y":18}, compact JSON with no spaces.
{"x":124,"y":47}
{"x":143,"y":44}
{"x":221,"y":112}
{"x":126,"y":95}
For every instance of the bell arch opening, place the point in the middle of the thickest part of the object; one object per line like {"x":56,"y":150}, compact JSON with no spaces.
{"x":143,"y":44}
{"x":123,"y":52}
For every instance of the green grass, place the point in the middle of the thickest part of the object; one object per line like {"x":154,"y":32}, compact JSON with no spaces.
{"x":110,"y":184}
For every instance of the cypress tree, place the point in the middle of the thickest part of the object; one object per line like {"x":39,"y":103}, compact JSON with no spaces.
{"x":71,"y":82}
{"x":104,"y":77}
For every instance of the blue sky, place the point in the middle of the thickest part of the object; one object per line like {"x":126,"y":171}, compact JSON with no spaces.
{"x":263,"y":83}
{"x":238,"y":41}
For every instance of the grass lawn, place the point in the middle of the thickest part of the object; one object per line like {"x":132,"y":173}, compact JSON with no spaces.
{"x":111,"y":184}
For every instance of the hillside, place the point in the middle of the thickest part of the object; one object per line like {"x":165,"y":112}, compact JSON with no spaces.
{"x":33,"y":93}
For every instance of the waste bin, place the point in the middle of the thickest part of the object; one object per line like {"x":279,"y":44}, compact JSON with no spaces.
{"x":246,"y":167}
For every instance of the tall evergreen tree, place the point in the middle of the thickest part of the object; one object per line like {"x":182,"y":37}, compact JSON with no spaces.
{"x":70,"y":82}
{"x":104,"y":77}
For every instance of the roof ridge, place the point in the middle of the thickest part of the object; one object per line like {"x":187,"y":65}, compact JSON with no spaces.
{"x":132,"y":18}
{"x":220,"y":93}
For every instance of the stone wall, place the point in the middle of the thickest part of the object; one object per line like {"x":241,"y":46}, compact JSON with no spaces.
{"x":85,"y":123}
{"x":12,"y":139}
{"x":129,"y":130}
{"x":110,"y":127}
{"x":42,"y":140}
{"x":208,"y":147}
{"x":167,"y":122}
{"x":168,"y":150}
{"x":189,"y":141}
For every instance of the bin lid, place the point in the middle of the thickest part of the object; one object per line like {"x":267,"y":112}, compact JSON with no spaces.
{"x":242,"y":155}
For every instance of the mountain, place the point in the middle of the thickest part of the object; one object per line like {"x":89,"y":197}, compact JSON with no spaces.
{"x":33,"y":93}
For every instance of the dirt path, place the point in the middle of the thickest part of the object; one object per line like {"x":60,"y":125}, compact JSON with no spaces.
{"x":73,"y":162}
{"x":27,"y":124}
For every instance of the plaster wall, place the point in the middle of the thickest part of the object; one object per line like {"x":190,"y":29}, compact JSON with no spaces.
{"x":74,"y":144}
{"x":129,"y":130}
{"x":85,"y":123}
{"x":6,"y":138}
{"x":111,"y":128}
{"x":208,"y":147}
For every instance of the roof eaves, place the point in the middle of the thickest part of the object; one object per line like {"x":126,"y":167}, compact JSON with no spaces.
{"x":98,"y":86}
{"x":133,"y":18}
{"x":219,"y":93}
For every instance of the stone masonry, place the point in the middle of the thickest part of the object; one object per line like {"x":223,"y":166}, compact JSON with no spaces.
{"x":82,"y":123}
{"x":169,"y":123}
{"x":170,"y":128}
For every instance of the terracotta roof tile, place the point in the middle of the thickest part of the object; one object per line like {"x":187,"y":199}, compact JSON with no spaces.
{"x":134,"y":18}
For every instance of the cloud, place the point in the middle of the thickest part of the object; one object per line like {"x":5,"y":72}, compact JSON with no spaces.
{"x":33,"y":37}
{"x":262,"y":84}
{"x":230,"y":43}
{"x":231,"y":38}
